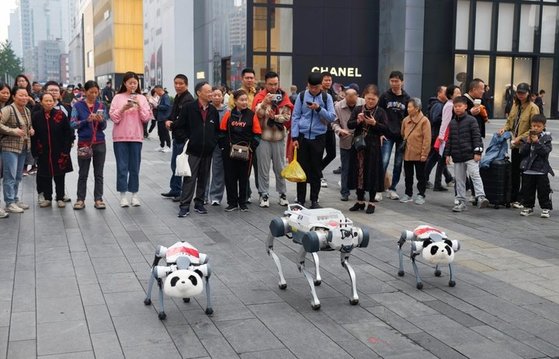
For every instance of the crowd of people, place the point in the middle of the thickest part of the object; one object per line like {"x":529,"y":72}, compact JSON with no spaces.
{"x":229,"y":135}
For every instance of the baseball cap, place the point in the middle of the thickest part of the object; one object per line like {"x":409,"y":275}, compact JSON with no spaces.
{"x":523,"y":87}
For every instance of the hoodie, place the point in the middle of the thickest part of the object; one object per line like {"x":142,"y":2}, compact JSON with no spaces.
{"x":396,"y":109}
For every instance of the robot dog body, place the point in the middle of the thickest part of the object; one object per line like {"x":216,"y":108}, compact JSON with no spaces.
{"x":324,"y":229}
{"x":435,"y":247}
{"x":182,"y":275}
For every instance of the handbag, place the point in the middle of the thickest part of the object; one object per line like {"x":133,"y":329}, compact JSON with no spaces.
{"x":182,"y":168}
{"x":239,"y":152}
{"x":359,"y":140}
{"x":404,"y":143}
{"x":85,"y":151}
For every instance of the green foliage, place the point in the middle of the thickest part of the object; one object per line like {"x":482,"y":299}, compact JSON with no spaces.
{"x":10,"y":64}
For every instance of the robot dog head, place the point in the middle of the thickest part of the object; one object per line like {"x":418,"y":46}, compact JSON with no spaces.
{"x":183,"y":283}
{"x":439,"y":251}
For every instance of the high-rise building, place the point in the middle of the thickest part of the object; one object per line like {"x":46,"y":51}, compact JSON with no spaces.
{"x":14,"y":32}
{"x":48,"y":60}
{"x":118,"y":39}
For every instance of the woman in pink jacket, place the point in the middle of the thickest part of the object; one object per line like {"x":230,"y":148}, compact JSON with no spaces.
{"x":129,"y":111}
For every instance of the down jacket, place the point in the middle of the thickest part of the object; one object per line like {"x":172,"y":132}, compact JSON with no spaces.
{"x":536,"y":155}
{"x":464,"y":139}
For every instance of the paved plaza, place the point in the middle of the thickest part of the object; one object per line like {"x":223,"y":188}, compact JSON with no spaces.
{"x":73,"y":282}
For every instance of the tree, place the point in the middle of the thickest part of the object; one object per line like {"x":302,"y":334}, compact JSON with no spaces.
{"x":10,"y":64}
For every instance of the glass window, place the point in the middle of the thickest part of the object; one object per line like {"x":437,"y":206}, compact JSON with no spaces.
{"x":260,"y":66}
{"x":484,"y":11}
{"x":505,"y":27}
{"x":549,"y":25}
{"x":522,"y":70}
{"x":460,"y":68}
{"x":462,"y":24}
{"x":529,"y":20}
{"x":281,"y":30}
{"x":283,"y":66}
{"x":545,"y":82}
{"x":260,"y":29}
{"x":503,"y":75}
{"x":481,"y":67}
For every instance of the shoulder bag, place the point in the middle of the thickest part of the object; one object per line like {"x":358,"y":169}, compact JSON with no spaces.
{"x":359,"y":140}
{"x":239,"y":151}
{"x":404,"y":143}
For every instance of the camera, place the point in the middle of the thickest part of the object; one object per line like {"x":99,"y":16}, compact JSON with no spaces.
{"x":276,"y":98}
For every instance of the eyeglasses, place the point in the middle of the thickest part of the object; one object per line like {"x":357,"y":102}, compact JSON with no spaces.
{"x":53,"y":90}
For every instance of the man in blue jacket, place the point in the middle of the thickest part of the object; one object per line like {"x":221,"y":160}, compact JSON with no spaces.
{"x":312,"y":114}
{"x":163,"y":111}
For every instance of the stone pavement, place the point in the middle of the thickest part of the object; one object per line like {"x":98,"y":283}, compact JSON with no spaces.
{"x":74,"y":282}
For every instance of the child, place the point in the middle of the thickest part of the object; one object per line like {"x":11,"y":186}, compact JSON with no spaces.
{"x":535,"y":166}
{"x":465,"y":147}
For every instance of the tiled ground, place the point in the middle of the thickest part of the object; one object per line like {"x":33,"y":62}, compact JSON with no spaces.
{"x":74,"y":282}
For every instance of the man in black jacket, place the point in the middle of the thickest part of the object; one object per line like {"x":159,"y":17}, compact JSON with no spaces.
{"x":181,"y":99}
{"x":394,"y":102}
{"x":198,"y":123}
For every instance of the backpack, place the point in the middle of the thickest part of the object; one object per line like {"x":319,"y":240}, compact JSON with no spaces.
{"x":324,"y":98}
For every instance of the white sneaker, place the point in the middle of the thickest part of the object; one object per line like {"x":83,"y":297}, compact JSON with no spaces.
{"x":283,"y":200}
{"x":166,"y":150}
{"x":545,"y":213}
{"x":3,"y":214}
{"x":135,"y":200}
{"x":393,"y":195}
{"x":123,"y":200}
{"x":378,"y":197}
{"x":159,"y":149}
{"x":22,"y":205}
{"x":61,"y":203}
{"x":405,"y":199}
{"x":323,"y":183}
{"x":13,"y":208}
{"x":40,"y":197}
{"x":517,"y":205}
{"x":264,"y":201}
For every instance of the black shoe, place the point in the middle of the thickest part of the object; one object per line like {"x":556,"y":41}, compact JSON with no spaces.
{"x":184,"y":211}
{"x":300,"y":203}
{"x":357,"y":206}
{"x":168,"y":195}
{"x":439,"y":188}
{"x":231,"y":208}
{"x":315,"y":205}
{"x":344,"y":198}
{"x":370,"y":209}
{"x":243,"y":207}
{"x":338,"y":171}
{"x":199,"y":208}
{"x":177,"y":199}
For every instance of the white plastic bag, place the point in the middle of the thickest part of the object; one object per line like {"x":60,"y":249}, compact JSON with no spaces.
{"x":183,"y":168}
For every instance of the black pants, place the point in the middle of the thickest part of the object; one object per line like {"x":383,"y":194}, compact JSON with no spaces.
{"x":46,"y":186}
{"x":200,"y":170}
{"x":307,"y":154}
{"x":151,"y":125}
{"x":236,"y":176}
{"x":98,"y":159}
{"x":163,"y":133}
{"x":539,"y":183}
{"x":436,"y":159}
{"x":330,"y":147}
{"x":419,"y":174}
{"x":361,"y":195}
{"x":516,"y":175}
{"x":255,"y":171}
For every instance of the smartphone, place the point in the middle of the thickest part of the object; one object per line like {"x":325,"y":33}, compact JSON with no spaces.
{"x":309,"y":103}
{"x":533,"y":133}
{"x":367,"y":113}
{"x":100,"y":112}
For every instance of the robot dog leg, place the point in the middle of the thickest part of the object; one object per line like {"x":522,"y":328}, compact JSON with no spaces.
{"x":315,"y":303}
{"x":270,"y":250}
{"x":354,"y":300}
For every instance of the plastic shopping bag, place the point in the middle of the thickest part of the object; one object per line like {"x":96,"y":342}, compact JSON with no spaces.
{"x":183,"y":168}
{"x":293,"y":172}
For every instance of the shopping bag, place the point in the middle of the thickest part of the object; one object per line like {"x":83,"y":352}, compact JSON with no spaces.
{"x":293,"y":172}
{"x":183,"y":168}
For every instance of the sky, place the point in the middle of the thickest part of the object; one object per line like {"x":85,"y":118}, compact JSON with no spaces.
{"x":5,"y":17}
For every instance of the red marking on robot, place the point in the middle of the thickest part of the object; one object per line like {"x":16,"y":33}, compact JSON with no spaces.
{"x":419,"y":231}
{"x":188,"y":251}
{"x":333,"y":224}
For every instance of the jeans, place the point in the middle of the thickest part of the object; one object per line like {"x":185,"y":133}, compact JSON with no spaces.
{"x":398,"y":159}
{"x":98,"y":159}
{"x":13,"y":171}
{"x":128,"y":157}
{"x":344,"y":158}
{"x":176,"y":181}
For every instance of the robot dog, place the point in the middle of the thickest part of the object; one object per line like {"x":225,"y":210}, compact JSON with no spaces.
{"x":433,"y":245}
{"x":181,"y":277}
{"x":324,"y":229}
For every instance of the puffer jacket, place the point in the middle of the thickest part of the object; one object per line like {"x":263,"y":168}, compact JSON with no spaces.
{"x":464,"y":140}
{"x":536,"y":155}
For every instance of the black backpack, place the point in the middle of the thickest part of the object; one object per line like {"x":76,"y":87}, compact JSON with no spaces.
{"x":324,"y":98}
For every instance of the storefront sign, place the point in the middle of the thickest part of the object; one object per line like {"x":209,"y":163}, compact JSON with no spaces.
{"x":339,"y":71}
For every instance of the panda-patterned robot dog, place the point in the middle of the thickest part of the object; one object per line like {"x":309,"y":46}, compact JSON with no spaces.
{"x":435,"y":247}
{"x":182,"y":275}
